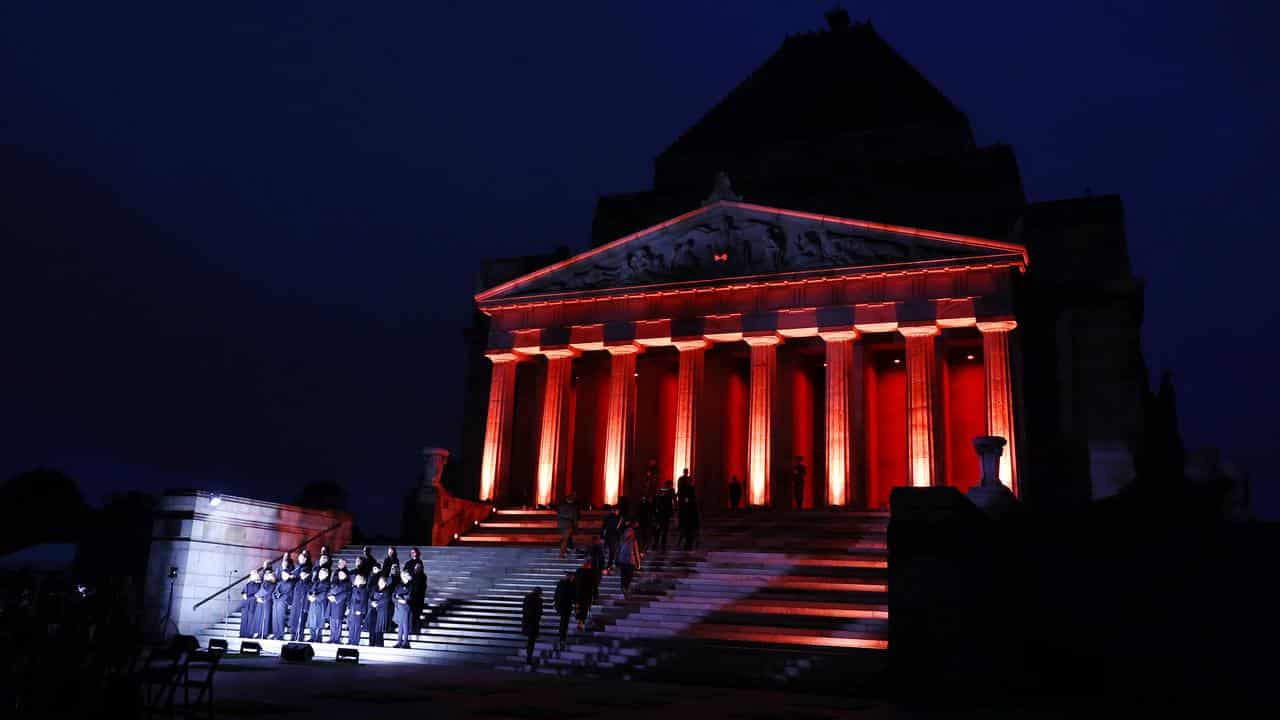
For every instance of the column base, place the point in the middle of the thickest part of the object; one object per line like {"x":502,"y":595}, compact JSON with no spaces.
{"x":994,"y":500}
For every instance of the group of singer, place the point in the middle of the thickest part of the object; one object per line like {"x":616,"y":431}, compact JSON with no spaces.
{"x":298,"y":599}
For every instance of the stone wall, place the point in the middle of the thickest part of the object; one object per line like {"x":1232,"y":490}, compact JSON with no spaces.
{"x":215,"y":544}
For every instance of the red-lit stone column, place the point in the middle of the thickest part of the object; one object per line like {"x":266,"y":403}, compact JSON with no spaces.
{"x":622,"y":390}
{"x":688,"y":394}
{"x":922,"y":381}
{"x":555,"y":400}
{"x":840,"y":385}
{"x":764,"y":366}
{"x":497,"y":430}
{"x":1000,"y":420}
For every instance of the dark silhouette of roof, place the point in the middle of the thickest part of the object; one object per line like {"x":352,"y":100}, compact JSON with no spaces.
{"x":821,"y":84}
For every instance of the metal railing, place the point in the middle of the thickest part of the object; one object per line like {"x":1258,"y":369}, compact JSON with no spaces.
{"x":296,"y":548}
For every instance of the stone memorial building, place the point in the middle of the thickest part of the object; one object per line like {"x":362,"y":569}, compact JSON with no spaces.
{"x":828,"y":269}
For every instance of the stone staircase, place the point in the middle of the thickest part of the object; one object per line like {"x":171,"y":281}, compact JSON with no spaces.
{"x":783,"y":598}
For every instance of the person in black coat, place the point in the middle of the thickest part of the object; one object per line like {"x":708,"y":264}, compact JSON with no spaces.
{"x":339,"y":599}
{"x":566,"y":593}
{"x":735,"y":493}
{"x":379,"y":616}
{"x":584,"y":582}
{"x":359,"y":608}
{"x":282,"y":599}
{"x":644,"y":523}
{"x":324,"y":561}
{"x":391,"y":559}
{"x":531,"y":620}
{"x":690,"y":519}
{"x":299,"y":604}
{"x":318,"y":605}
{"x":611,"y":531}
{"x":304,"y":561}
{"x":595,"y":556}
{"x":402,"y":599}
{"x":418,"y":586}
{"x":249,"y":605}
{"x":266,"y":599}
{"x":364,"y":566}
{"x":664,"y":506}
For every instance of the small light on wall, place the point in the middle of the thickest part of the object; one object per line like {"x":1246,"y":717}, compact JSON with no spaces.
{"x":216,"y":500}
{"x":455,"y":536}
{"x":636,"y":374}
{"x":897,"y":361}
{"x":824,"y":364}
{"x":969,"y":356}
{"x":475,"y":522}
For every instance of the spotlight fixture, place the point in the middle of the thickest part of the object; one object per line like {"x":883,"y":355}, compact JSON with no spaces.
{"x":249,"y":647}
{"x":897,"y":361}
{"x":218,"y":644}
{"x":969,"y":356}
{"x":216,"y":500}
{"x":348,"y":654}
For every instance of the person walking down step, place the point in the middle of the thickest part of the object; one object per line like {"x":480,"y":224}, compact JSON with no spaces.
{"x":735,"y":493}
{"x":628,"y":558}
{"x":531,"y":621}
{"x":563,"y":601}
{"x":797,"y":481}
{"x":595,"y":556}
{"x":584,"y":581}
{"x":663,"y":508}
{"x":690,"y":519}
{"x":567,"y":522}
{"x":611,"y":531}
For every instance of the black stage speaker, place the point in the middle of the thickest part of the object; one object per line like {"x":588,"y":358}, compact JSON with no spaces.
{"x":218,"y":644}
{"x":348,"y":654}
{"x":296,"y":652}
{"x":188,"y":643}
{"x":248,"y":647}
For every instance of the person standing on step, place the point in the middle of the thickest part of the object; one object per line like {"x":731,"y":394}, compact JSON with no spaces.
{"x":690,"y":519}
{"x":797,"y":481}
{"x":417,"y":594}
{"x":324,"y":561}
{"x":649,"y":484}
{"x":379,"y":611}
{"x":283,"y":598}
{"x":266,"y":591}
{"x":585,"y":582}
{"x":735,"y":493}
{"x":318,"y":605}
{"x":611,"y":531}
{"x":684,"y":485}
{"x":628,"y":558}
{"x":663,"y":508}
{"x":298,"y":603}
{"x":359,"y":609}
{"x":339,"y":599}
{"x":249,"y":605}
{"x":567,"y":521}
{"x":402,"y":599}
{"x":531,"y":621}
{"x":365,"y":564}
{"x":391,"y":559}
{"x":595,"y":556}
{"x":563,"y":601}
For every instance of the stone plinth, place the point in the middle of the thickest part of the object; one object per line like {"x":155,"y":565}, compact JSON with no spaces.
{"x":215,"y":544}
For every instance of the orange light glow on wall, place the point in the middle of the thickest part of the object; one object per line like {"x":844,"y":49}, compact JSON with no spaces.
{"x":497,"y":431}
{"x":622,"y":383}
{"x":764,"y":360}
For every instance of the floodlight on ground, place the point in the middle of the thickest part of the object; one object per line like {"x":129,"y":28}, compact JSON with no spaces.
{"x":218,"y":644}
{"x":350,"y":655}
{"x":249,"y":647}
{"x":216,"y":500}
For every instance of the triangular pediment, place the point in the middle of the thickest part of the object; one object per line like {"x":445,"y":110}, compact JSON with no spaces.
{"x":728,"y":240}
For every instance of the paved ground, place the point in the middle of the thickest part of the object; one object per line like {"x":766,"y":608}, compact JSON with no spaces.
{"x":265,"y":687}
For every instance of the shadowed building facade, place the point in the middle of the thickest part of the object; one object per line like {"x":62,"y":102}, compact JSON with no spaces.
{"x":872,"y":292}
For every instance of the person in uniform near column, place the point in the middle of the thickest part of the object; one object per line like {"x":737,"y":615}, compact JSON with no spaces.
{"x":683,"y":485}
{"x":402,"y":597}
{"x":359,"y":609}
{"x":418,"y":596}
{"x":249,"y":605}
{"x":266,"y":599}
{"x":283,"y":598}
{"x":531,"y":621}
{"x":567,"y":521}
{"x":690,"y":519}
{"x":797,"y":481}
{"x":318,"y":608}
{"x":339,"y":599}
{"x":299,"y":604}
{"x":735,"y":493}
{"x":663,"y":508}
{"x":379,"y":611}
{"x":563,"y":601}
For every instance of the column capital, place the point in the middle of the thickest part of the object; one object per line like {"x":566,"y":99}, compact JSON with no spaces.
{"x":683,"y":345}
{"x":918,"y":330}
{"x":838,"y":335}
{"x":559,"y":353}
{"x":762,"y":340}
{"x":987,"y":326}
{"x":503,"y":356}
{"x":627,"y":349}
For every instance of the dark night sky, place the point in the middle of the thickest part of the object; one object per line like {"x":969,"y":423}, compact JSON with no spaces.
{"x":258,"y":227}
